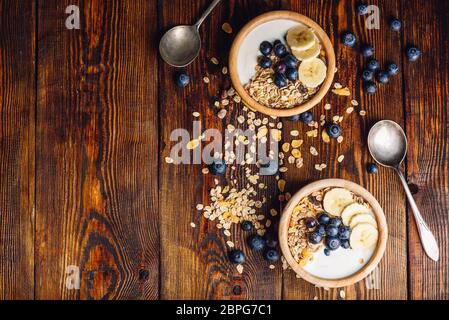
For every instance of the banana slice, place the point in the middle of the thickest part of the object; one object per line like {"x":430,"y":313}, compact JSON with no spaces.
{"x":363,"y":236}
{"x":362,"y":218}
{"x":312,"y":72}
{"x":336,"y":200}
{"x":352,"y":210}
{"x":311,"y":53}
{"x":300,"y":38}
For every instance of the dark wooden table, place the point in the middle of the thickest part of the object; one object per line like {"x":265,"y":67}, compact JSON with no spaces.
{"x":85,"y":123}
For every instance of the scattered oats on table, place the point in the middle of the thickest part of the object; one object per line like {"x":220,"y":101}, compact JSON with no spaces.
{"x":362,"y":113}
{"x":169,"y":160}
{"x":214,"y":60}
{"x":205,"y":170}
{"x":192,"y":224}
{"x":206,"y":80}
{"x":341,"y":158}
{"x":226,"y":27}
{"x":239,"y":268}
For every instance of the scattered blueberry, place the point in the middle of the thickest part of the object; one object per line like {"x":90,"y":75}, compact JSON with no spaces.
{"x":266,"y":48}
{"x":395,"y":24}
{"x":296,"y":117}
{"x":335,"y":222}
{"x":280,"y":79}
{"x":373,"y":64}
{"x":182,"y":79}
{"x":292,"y":74}
{"x":392,"y":69}
{"x":362,"y":9}
{"x":306,"y":117}
{"x":246,"y":225}
{"x":270,"y":168}
{"x":280,"y":67}
{"x":237,"y":256}
{"x":327,"y":252}
{"x":332,"y":243}
{"x":331,"y":231}
{"x":271,"y":255}
{"x":367,"y":50}
{"x":413,"y":53}
{"x":348,"y":39}
{"x":333,"y":130}
{"x":290,"y":61}
{"x":321,"y":230}
{"x":344,"y":233}
{"x":383,"y":77}
{"x":372,"y":168}
{"x":367,"y":75}
{"x":256,"y":242}
{"x":315,"y":238}
{"x":345,"y":244}
{"x":280,"y":50}
{"x":218,"y":167}
{"x":323,"y":219}
{"x":311,"y":223}
{"x":370,"y":87}
{"x":271,"y":240}
{"x":265,"y":62}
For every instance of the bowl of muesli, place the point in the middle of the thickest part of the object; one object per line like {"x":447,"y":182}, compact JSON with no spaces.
{"x":282,"y":63}
{"x":333,"y":233}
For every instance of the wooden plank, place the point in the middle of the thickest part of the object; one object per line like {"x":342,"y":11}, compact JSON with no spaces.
{"x":194,"y":262}
{"x":426,"y":95}
{"x":17,"y":102}
{"x":336,"y":17}
{"x":96,"y":164}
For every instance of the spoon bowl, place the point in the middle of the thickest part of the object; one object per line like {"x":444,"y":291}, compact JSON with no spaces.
{"x":180,"y":45}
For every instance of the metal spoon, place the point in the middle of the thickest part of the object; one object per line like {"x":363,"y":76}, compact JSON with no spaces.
{"x":387,"y":144}
{"x":181,"y":45}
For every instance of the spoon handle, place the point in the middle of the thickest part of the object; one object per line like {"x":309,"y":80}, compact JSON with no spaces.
{"x":206,"y":13}
{"x":428,"y":241}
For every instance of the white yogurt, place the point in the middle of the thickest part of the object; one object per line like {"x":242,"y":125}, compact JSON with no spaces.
{"x":249,"y":49}
{"x":340,"y":264}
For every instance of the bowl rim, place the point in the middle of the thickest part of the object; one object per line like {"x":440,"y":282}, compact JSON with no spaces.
{"x":381,"y":226}
{"x":277,"y":15}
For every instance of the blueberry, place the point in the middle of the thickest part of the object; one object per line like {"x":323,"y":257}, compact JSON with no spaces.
{"x":321,"y":230}
{"x":306,"y":117}
{"x":315,"y":238}
{"x":276,"y":42}
{"x":367,"y":75}
{"x":373,"y":64}
{"x":246,"y":225}
{"x":266,"y":48}
{"x":327,"y":252}
{"x":395,"y":24}
{"x":311,"y":223}
{"x":371,"y":168}
{"x":331,"y":231}
{"x":335,"y":222}
{"x":291,"y":74}
{"x":271,"y":255}
{"x":362,"y":9}
{"x":280,"y":50}
{"x":290,"y":61}
{"x":333,"y":130}
{"x":271,"y":240}
{"x":332,"y":243}
{"x":218,"y":167}
{"x":182,"y":79}
{"x":370,"y":87}
{"x":256,"y":242}
{"x":344,"y":233}
{"x":413,"y":53}
{"x":324,"y":219}
{"x":345,"y":244}
{"x":280,"y":67}
{"x":269,"y":169}
{"x":348,"y":39}
{"x":265,"y":62}
{"x":296,"y":117}
{"x":280,"y":80}
{"x":367,"y":50}
{"x":237,"y":256}
{"x":383,"y":77}
{"x":392,"y":69}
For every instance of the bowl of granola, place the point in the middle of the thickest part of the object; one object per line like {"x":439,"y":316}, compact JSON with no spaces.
{"x":333,"y":233}
{"x":282,"y":63}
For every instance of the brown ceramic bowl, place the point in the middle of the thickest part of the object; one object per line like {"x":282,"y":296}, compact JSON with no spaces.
{"x":381,"y":225}
{"x":282,"y":17}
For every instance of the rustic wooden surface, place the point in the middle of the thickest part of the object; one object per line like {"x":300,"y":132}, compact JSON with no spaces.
{"x":86,"y":117}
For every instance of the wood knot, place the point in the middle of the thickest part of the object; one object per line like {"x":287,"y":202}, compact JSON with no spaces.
{"x":414,"y":189}
{"x":237,"y":290}
{"x":143,"y":275}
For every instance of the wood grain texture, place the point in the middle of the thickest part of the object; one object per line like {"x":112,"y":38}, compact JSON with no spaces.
{"x":426,"y":85}
{"x":335,"y":18}
{"x":96,"y":164}
{"x":17,"y":102}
